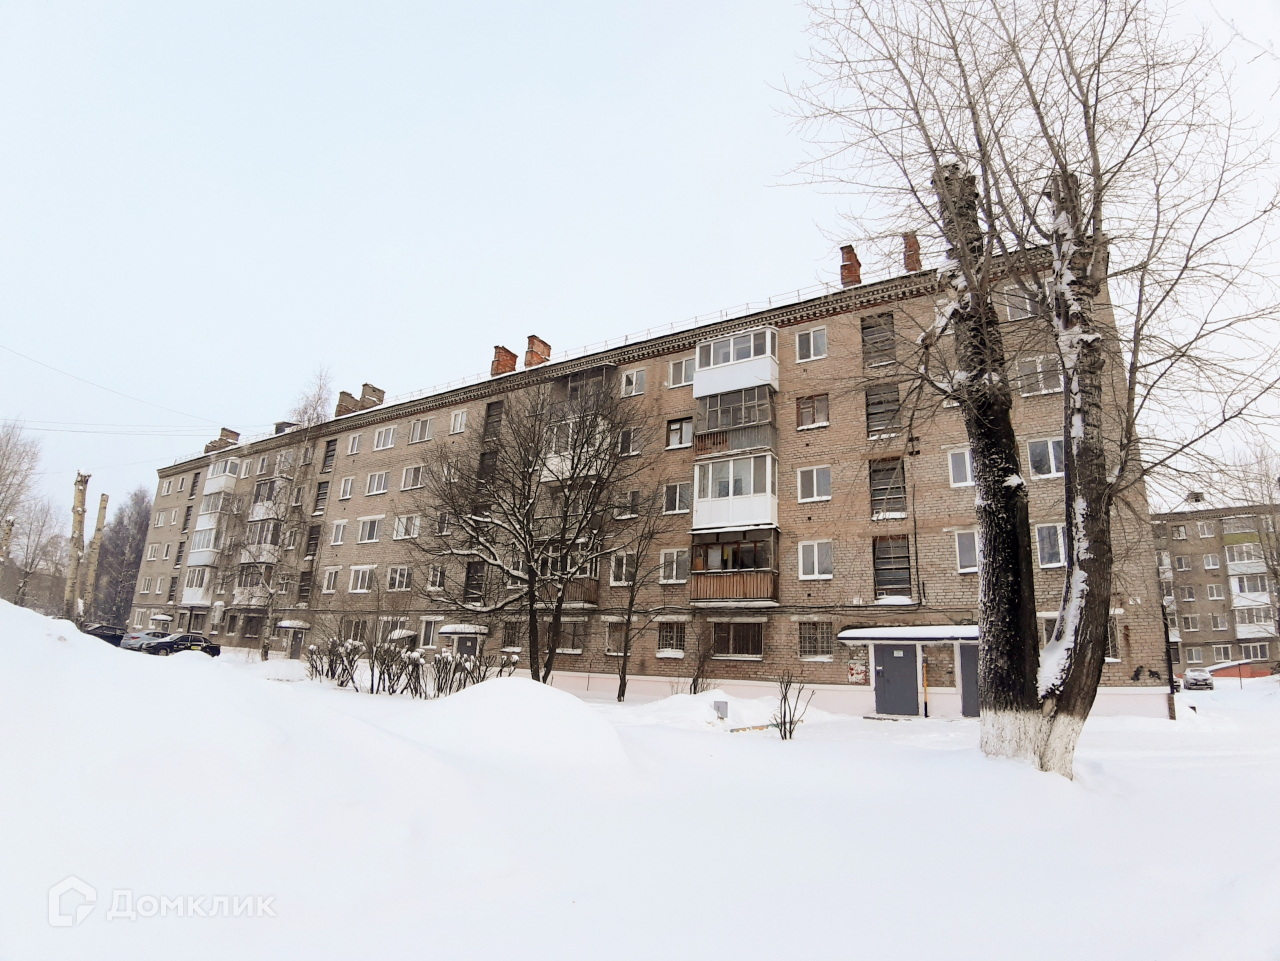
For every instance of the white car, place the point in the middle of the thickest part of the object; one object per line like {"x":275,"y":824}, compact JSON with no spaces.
{"x":1197,"y":679}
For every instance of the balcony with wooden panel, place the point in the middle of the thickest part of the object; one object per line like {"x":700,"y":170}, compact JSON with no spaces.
{"x":580,"y":593}
{"x":733,"y":588}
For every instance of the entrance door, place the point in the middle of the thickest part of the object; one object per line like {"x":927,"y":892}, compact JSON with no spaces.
{"x":896,"y":686}
{"x":969,"y":680}
{"x":295,"y":645}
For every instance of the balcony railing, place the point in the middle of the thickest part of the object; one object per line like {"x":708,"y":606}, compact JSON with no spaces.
{"x":733,"y":586}
{"x":580,"y":591}
{"x":752,"y":437}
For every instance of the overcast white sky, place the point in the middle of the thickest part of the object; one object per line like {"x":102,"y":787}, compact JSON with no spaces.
{"x":200,"y":203}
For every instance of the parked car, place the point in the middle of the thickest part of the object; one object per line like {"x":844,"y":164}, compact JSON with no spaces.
{"x":112,"y":635}
{"x":164,"y":646}
{"x":134,"y":639}
{"x":1197,"y":679}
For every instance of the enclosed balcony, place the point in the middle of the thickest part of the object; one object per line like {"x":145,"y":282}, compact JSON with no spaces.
{"x":197,"y":589}
{"x":735,"y":420}
{"x":734,"y":569}
{"x":736,"y":492}
{"x":748,"y":359}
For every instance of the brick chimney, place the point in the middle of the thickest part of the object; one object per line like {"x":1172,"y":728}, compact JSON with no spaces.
{"x":850,"y":267}
{"x":504,"y":362}
{"x":226,"y":438}
{"x":539,"y":352}
{"x":347,"y":404}
{"x":911,"y":252}
{"x":370,"y":396}
{"x":284,"y":425}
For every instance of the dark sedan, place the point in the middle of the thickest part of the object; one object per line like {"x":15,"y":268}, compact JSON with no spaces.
{"x":164,"y":646}
{"x":104,"y":632}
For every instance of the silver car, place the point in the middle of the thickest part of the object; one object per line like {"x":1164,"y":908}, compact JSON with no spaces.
{"x":1197,"y":679}
{"x":134,"y":640}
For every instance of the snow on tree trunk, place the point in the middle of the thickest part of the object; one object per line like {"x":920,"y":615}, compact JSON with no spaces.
{"x":1071,"y":665}
{"x":76,"y":545}
{"x":1011,"y":720}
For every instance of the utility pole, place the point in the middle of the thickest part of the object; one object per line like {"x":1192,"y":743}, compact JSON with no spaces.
{"x":89,"y":590}
{"x":70,"y":596}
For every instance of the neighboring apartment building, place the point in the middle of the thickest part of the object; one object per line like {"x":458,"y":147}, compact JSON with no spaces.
{"x":1216,"y":567}
{"x":810,"y":507}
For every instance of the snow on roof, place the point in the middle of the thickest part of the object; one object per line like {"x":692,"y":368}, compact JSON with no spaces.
{"x":294,"y":625}
{"x":463,"y":629}
{"x":921,"y":632}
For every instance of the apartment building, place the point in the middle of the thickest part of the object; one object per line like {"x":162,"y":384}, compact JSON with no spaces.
{"x":809,"y":509}
{"x":1216,"y":568}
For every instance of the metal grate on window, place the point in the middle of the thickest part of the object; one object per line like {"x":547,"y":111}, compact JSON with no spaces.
{"x":891,"y":562}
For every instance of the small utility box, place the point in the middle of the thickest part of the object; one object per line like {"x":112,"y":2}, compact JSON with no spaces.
{"x":722,"y":709}
{"x":464,"y":638}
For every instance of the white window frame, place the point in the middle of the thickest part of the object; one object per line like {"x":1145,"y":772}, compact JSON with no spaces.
{"x":628,"y":568}
{"x":167,"y":488}
{"x":394,"y":577}
{"x":1204,"y":528}
{"x":420,"y":430}
{"x":329,"y":583}
{"x":458,"y":422}
{"x":153,"y":552}
{"x":435,"y":577}
{"x":419,"y":477}
{"x":1194,"y":655}
{"x":1259,"y":652}
{"x":814,"y":476}
{"x":977,"y":552}
{"x":966,"y":456}
{"x":1182,"y":562}
{"x":366,"y":579}
{"x":683,"y":365}
{"x":182,"y":484}
{"x":385,"y":477}
{"x":1218,"y":622}
{"x":1214,"y":592}
{"x":369,"y":526}
{"x":688,"y":485}
{"x":629,"y":440}
{"x":1187,"y":592}
{"x":679,"y":420}
{"x":815,"y":559}
{"x":807,"y":337}
{"x":1062,"y":545}
{"x":344,"y":488}
{"x":1056,"y":464}
{"x":674,"y":562}
{"x":1041,"y":361}
{"x":384,"y":438}
{"x":353,"y":444}
{"x":167,"y":549}
{"x":633,"y":382}
{"x":146,"y":585}
{"x":1178,"y":532}
{"x":339,"y":533}
{"x":1210,"y":562}
{"x":406,"y":527}
{"x":1218,"y":652}
{"x":1190,"y":623}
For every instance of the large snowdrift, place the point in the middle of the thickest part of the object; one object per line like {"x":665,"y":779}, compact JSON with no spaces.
{"x":516,"y":821}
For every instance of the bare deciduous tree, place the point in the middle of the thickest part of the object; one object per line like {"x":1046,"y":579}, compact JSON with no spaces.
{"x":120,"y":558}
{"x":314,"y":404}
{"x":19,"y":459}
{"x":39,"y":545}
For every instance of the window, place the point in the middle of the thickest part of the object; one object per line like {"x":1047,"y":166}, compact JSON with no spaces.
{"x":167,"y":548}
{"x":633,"y":382}
{"x":304,"y":586}
{"x":196,"y":577}
{"x":1252,"y":584}
{"x":815,"y":639}
{"x":297,"y":497}
{"x":443,"y":525}
{"x":622,"y":568}
{"x":378,"y":482}
{"x":1039,"y":375}
{"x":878,"y":342}
{"x":413,"y":478}
{"x":1181,"y":562}
{"x":153,"y":551}
{"x":811,"y":411}
{"x":735,"y":408}
{"x":1253,"y":651}
{"x":252,"y":625}
{"x":173,"y":516}
{"x":330,"y":584}
{"x":572,"y":636}
{"x":262,"y":532}
{"x":883,"y":409}
{"x":322,"y":497}
{"x":1162,"y":560}
{"x":406,"y":527}
{"x":682,"y":372}
{"x":488,"y":465}
{"x":675,"y":567}
{"x":737,"y":640}
{"x":814,"y":484}
{"x":888,"y":489}
{"x":370,"y":528}
{"x":1112,"y":652}
{"x":1187,"y":593}
{"x":1204,"y":528}
{"x":307,"y":453}
{"x":182,"y":483}
{"x":435,"y":578}
{"x":815,"y":560}
{"x":671,"y":636}
{"x":740,"y":477}
{"x":627,"y":506}
{"x":1049,"y":540}
{"x":160,"y":519}
{"x":967,"y":552}
{"x":264,"y":492}
{"x":457,"y":422}
{"x":399,"y":579}
{"x":677,"y":498}
{"x":167,"y":488}
{"x":511,"y":639}
{"x":254,"y":575}
{"x":680,"y":433}
{"x":615,"y":637}
{"x":492,"y":419}
{"x":1230,"y":525}
{"x":1173,"y":654}
{"x":811,"y":344}
{"x":1219,"y":622}
{"x":344,"y":488}
{"x":1021,"y":304}
{"x":1178,"y":532}
{"x":1210,"y":562}
{"x":1191,"y":622}
{"x":744,"y":555}
{"x":353,"y":444}
{"x":361,"y":580}
{"x":146,"y":585}
{"x":1222,"y":652}
{"x":1214,"y":592}
{"x":384,"y":438}
{"x":629,"y":441}
{"x":961,"y":464}
{"x":728,"y":350}
{"x":1047,"y":459}
{"x":284,"y":462}
{"x":473,"y":584}
{"x":1254,"y":615}
{"x":330,"y":452}
{"x":313,"y":539}
{"x":1195,"y":655}
{"x":420,"y":430}
{"x":891,"y":566}
{"x":585,"y":382}
{"x":1243,"y":553}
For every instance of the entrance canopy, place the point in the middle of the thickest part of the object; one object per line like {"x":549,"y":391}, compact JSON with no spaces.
{"x":909,"y":633}
{"x":161,"y":617}
{"x":463,"y":629}
{"x":401,"y":635}
{"x":294,"y":625}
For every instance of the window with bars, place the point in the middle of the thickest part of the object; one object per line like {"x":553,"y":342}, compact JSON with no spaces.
{"x":671,"y":636}
{"x":891,"y":566}
{"x":815,"y":639}
{"x":512,"y":636}
{"x":737,"y":640}
{"x":888,"y":488}
{"x":879,"y":345}
{"x":322,"y":497}
{"x":493,"y":420}
{"x":473,"y":582}
{"x":883,"y":409}
{"x":573,"y":635}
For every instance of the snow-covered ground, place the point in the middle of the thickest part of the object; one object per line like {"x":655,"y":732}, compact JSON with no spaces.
{"x":516,"y":821}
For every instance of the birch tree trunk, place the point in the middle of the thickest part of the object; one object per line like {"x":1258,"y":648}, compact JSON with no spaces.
{"x":89,"y":588}
{"x":1009,"y":705}
{"x":6,"y":539}
{"x":70,"y":595}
